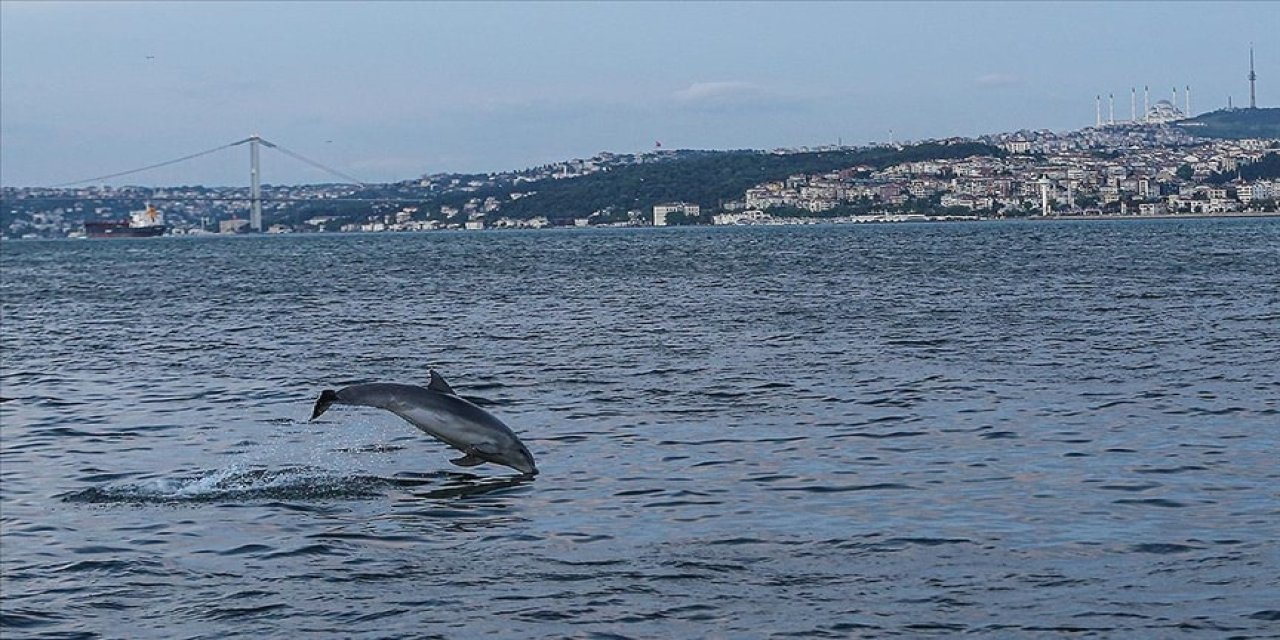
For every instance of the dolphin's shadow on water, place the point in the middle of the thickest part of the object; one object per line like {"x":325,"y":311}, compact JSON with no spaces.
{"x":457,"y":485}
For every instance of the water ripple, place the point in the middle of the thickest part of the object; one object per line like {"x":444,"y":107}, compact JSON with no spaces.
{"x":1042,"y":429}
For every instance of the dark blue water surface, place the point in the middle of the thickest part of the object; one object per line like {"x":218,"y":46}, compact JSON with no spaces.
{"x":993,"y":429}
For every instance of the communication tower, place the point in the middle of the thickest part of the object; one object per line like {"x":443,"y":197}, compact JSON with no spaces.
{"x":1253,"y":98}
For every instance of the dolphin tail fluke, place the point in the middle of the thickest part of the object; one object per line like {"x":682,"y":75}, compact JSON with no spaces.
{"x":327,"y":397}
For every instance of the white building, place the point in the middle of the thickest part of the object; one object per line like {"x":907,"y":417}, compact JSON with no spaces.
{"x":661,"y":211}
{"x":754,"y":216}
{"x":1017,"y":146}
{"x":1255,"y":191}
{"x":234,"y":225}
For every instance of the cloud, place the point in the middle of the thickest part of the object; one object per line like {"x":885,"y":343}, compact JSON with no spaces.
{"x":997,"y":80}
{"x":735,"y":97}
{"x":703,"y":91}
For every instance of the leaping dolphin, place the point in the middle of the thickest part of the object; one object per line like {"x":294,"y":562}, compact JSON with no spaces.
{"x":443,"y":415}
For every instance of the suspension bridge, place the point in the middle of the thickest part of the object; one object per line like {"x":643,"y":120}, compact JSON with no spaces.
{"x":255,"y":143}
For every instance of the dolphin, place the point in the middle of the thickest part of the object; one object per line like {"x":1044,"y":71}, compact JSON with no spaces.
{"x":440,"y":413}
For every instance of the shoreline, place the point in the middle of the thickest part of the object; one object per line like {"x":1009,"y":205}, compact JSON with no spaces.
{"x":900,"y":218}
{"x":1162,"y":216}
{"x":777,"y":222}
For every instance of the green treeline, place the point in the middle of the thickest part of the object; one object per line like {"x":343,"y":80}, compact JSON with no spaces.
{"x":707,"y":179}
{"x":1268,"y":168}
{"x":1234,"y":124}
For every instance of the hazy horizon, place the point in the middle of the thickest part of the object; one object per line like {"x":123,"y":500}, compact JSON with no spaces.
{"x":390,"y":91}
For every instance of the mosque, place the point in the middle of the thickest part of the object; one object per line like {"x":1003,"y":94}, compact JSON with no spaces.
{"x":1163,"y":111}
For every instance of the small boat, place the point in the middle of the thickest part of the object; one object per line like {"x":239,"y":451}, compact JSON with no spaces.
{"x":147,"y":223}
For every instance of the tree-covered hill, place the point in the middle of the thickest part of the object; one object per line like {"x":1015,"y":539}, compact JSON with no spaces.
{"x":708,"y":179}
{"x":1268,"y":168}
{"x":1234,"y":124}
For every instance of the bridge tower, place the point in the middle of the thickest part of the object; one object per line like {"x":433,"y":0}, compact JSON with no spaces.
{"x":255,"y":185}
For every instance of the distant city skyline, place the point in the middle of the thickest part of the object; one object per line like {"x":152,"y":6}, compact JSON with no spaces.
{"x":388,"y":91}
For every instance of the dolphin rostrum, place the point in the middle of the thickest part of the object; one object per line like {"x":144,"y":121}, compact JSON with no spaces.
{"x":442,"y":414}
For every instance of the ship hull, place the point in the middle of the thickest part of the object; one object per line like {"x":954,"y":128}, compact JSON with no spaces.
{"x":122,"y":229}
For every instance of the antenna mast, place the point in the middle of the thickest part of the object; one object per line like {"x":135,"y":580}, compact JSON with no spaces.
{"x":1253,"y":100}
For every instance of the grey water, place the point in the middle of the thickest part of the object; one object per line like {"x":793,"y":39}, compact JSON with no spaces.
{"x":1055,"y":429}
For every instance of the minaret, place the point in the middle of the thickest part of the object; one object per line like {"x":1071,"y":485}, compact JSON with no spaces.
{"x":1188,"y":98}
{"x":1111,"y":100}
{"x":1253,"y":98}
{"x":1097,"y":107}
{"x":1133,"y":105}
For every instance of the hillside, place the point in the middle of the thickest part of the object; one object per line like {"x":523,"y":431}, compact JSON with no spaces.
{"x":706,"y":178}
{"x":1268,"y":168}
{"x":1234,"y":124}
{"x":709,"y":179}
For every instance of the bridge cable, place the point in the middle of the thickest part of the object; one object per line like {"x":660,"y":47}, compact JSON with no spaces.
{"x":313,"y":163}
{"x":147,"y":168}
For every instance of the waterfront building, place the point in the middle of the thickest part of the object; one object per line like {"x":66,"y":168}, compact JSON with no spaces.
{"x":661,"y":211}
{"x":754,"y":216}
{"x":234,"y":225}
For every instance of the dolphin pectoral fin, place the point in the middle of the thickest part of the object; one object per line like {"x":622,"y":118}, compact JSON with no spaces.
{"x":468,"y":460}
{"x":478,"y":453}
{"x":439,"y":385}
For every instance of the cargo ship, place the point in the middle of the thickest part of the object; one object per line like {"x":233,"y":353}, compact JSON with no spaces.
{"x":147,"y":223}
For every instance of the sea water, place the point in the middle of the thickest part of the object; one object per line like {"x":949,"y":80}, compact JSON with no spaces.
{"x":1053,"y":429}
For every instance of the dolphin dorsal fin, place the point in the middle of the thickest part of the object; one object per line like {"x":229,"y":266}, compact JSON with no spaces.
{"x":439,"y":385}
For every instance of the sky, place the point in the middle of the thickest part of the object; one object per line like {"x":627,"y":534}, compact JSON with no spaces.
{"x":387,"y":91}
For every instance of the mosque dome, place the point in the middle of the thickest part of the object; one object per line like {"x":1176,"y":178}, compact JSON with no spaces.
{"x":1164,"y":111}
